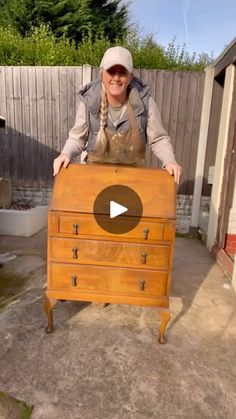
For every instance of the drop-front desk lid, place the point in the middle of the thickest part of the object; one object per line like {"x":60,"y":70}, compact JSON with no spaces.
{"x":77,"y":187}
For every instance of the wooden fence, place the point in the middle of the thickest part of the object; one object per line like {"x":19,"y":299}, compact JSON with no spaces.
{"x":39,"y":104}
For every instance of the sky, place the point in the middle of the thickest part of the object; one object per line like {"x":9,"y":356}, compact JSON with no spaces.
{"x":202,"y":25}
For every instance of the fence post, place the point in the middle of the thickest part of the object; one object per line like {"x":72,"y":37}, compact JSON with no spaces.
{"x":87,"y":74}
{"x":202,"y":143}
{"x":86,"y":78}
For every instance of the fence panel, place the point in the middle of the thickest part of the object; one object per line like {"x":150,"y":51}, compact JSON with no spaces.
{"x":40,"y":103}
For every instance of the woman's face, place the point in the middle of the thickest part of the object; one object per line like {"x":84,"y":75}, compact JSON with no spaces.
{"x":116,"y":80}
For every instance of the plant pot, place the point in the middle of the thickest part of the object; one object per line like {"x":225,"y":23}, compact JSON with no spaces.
{"x":23,"y":222}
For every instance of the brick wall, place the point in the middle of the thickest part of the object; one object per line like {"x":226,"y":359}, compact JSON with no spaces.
{"x":230,"y":244}
{"x":35,"y":196}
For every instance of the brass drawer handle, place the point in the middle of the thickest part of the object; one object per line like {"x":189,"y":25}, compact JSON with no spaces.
{"x":144,"y":258}
{"x":75,"y":253}
{"x":74,"y":280}
{"x":146,"y":232}
{"x":75,"y":228}
{"x":141,"y":285}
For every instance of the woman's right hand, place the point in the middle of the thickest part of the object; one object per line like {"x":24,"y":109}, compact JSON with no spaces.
{"x":64,"y":160}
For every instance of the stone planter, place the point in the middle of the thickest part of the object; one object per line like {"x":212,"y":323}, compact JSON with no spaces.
{"x":23,"y":222}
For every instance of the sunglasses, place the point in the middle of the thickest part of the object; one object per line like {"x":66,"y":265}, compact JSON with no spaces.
{"x":121,"y":71}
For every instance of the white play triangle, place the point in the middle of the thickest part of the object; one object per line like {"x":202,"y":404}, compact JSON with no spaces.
{"x":116,"y":209}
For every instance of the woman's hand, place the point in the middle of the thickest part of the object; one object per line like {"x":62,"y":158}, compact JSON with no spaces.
{"x":64,"y":160}
{"x":174,"y":169}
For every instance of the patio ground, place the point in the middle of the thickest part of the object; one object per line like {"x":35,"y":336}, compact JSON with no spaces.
{"x":106,"y":362}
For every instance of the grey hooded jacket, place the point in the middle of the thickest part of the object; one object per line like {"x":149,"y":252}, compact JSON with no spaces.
{"x":84,"y":132}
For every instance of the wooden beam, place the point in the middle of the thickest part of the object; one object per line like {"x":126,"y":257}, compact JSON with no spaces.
{"x":226,"y":60}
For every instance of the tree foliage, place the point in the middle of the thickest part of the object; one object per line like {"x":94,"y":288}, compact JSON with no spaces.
{"x":76,"y":32}
{"x":73,"y":19}
{"x":41,"y":47}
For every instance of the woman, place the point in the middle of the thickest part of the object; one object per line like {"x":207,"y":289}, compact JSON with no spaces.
{"x":117,"y":118}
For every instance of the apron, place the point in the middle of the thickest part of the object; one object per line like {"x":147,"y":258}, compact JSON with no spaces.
{"x":123,"y":147}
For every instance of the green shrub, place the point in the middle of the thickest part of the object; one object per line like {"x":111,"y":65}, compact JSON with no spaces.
{"x":41,"y":47}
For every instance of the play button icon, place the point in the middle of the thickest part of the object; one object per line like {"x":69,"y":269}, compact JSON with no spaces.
{"x":117,"y":209}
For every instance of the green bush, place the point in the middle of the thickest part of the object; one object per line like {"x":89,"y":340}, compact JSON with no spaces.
{"x":41,"y":47}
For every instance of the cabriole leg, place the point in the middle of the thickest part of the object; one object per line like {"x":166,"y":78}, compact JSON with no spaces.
{"x":48,"y":306}
{"x":165,"y":317}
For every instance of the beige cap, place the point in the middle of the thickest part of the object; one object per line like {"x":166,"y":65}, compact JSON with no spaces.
{"x":117,"y":56}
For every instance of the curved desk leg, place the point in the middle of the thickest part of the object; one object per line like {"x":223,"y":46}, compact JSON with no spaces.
{"x":165,"y":317}
{"x":48,"y":306}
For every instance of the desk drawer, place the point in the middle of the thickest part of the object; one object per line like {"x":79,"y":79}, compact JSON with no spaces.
{"x":77,"y":225}
{"x":81,"y":251}
{"x":85,"y":278}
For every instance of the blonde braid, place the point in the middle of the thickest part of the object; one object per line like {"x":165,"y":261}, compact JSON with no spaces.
{"x":101,"y":142}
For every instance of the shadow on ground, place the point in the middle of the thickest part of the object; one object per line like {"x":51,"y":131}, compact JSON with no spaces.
{"x":107,"y":362}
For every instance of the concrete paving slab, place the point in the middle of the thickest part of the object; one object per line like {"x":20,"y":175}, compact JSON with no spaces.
{"x":107,"y":362}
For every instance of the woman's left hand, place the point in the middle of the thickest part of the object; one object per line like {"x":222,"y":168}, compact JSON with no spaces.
{"x":174,"y":170}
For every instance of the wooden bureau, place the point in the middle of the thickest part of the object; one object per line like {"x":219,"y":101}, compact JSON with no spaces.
{"x":89,"y":263}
